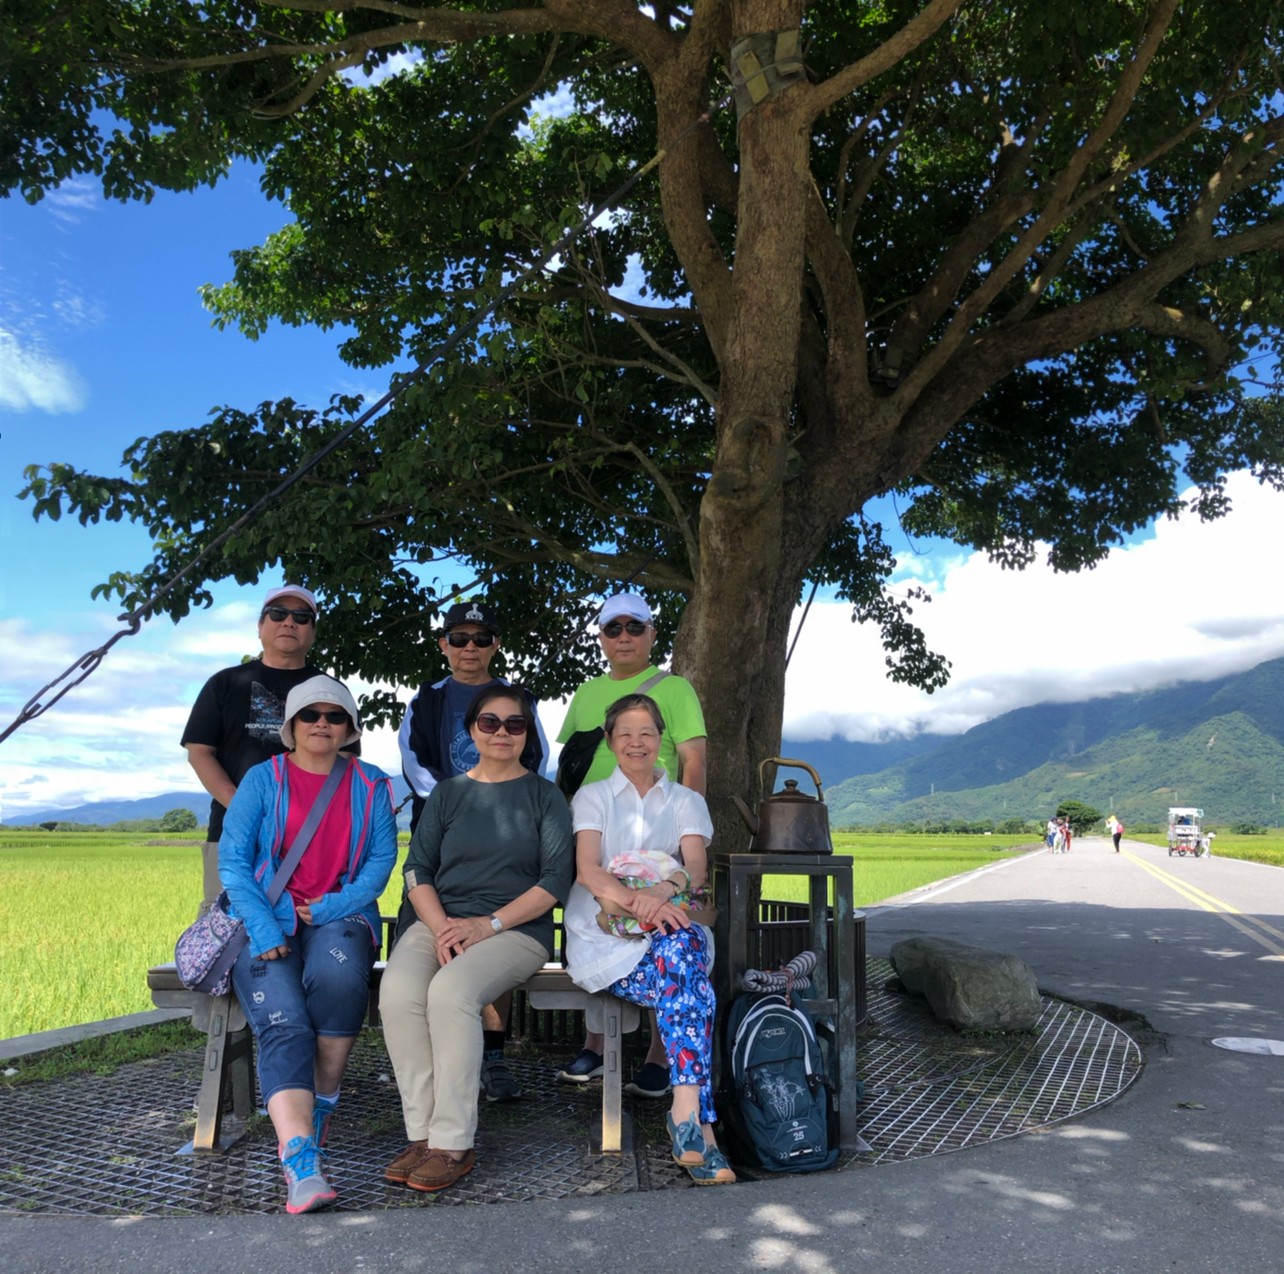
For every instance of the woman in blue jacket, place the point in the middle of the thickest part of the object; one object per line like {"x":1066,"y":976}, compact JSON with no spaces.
{"x":302,"y":977}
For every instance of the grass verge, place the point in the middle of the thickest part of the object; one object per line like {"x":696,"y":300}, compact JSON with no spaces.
{"x":103,"y":1054}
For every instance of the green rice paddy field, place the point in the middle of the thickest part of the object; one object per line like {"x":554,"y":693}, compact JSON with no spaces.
{"x":83,"y":914}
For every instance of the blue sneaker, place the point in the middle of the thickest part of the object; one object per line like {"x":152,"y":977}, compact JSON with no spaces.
{"x":306,"y":1186}
{"x":587,"y":1065}
{"x":652,"y":1082}
{"x":688,"y":1141}
{"x":714,"y":1170}
{"x":322,"y":1111}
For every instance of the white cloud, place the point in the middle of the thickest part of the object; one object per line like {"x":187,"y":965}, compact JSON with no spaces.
{"x":74,"y":309}
{"x":396,"y":64}
{"x":118,"y":732}
{"x":74,"y":199}
{"x":555,"y":105}
{"x":31,"y":377}
{"x":1190,"y":603}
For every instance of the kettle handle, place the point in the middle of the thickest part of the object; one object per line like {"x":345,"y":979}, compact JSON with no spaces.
{"x":784,"y":760}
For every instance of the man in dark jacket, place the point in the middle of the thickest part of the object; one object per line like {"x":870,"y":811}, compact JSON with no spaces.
{"x":435,"y":746}
{"x":434,"y":743}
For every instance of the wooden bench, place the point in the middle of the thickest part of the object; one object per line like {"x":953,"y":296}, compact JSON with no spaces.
{"x":227,"y":1073}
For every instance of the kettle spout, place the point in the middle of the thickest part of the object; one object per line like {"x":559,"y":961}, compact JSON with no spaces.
{"x":749,"y":817}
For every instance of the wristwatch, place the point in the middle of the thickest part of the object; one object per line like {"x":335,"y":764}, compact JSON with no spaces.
{"x":496,"y":924}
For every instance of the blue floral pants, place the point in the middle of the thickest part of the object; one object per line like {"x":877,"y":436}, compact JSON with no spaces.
{"x":673,"y":979}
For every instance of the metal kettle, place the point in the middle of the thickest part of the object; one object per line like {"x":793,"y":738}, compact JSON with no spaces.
{"x":788,"y":821}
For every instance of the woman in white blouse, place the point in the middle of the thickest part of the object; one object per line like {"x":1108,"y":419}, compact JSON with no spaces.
{"x":640,"y":843}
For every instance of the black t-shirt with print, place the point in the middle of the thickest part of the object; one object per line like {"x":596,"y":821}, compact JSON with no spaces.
{"x":239,"y":713}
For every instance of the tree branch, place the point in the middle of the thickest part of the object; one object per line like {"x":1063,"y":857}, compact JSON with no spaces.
{"x":680,"y":518}
{"x":439,"y":25}
{"x":1166,"y":320}
{"x":677,"y":369}
{"x":847,"y":217}
{"x":816,"y":98}
{"x":1053,"y":211}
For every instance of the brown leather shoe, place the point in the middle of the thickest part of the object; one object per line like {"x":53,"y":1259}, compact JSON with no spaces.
{"x":437,"y":1170}
{"x":405,"y":1163}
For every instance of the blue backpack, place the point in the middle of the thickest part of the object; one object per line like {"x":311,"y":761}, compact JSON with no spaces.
{"x":780,"y":1107}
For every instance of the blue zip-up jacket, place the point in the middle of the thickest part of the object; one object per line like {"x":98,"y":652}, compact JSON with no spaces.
{"x":252,"y":847}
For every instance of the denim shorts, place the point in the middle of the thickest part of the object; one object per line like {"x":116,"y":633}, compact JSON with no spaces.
{"x":320,"y":988}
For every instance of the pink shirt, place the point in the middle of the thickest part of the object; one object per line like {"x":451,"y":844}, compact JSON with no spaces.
{"x":326,"y":858}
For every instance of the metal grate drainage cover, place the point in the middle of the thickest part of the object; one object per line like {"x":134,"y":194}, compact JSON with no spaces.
{"x":928,"y":1090}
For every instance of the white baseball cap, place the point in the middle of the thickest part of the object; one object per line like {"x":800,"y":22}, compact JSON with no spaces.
{"x":291,"y":590}
{"x":624,"y":606}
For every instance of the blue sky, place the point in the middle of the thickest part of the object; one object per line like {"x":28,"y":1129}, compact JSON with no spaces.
{"x":103,"y":339}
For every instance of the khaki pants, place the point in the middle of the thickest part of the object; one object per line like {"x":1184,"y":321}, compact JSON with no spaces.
{"x":432,"y":1026}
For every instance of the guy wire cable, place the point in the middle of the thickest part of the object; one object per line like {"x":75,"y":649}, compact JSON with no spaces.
{"x":134,"y":619}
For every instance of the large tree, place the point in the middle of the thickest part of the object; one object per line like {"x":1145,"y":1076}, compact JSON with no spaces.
{"x":1018,"y":262}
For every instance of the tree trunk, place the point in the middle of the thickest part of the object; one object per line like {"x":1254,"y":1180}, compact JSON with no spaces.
{"x":732,"y":640}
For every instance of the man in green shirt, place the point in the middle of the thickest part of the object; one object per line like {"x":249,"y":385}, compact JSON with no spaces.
{"x":627,"y":632}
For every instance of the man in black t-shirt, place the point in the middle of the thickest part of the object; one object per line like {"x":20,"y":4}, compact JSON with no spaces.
{"x":236,"y":720}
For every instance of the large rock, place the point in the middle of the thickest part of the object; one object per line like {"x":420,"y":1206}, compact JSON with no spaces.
{"x":969,"y":987}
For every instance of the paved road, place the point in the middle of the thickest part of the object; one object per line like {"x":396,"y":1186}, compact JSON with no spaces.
{"x":1185,"y":1172}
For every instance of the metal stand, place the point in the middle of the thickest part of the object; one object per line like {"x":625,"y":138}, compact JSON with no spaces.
{"x":833,"y":1008}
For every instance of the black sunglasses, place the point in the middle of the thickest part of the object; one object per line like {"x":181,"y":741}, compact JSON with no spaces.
{"x":634,"y":628}
{"x":489,"y":723}
{"x":480,"y":640}
{"x":277,"y":615}
{"x":310,"y":716}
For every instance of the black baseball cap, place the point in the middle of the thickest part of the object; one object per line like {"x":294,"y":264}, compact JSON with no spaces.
{"x":470,"y":613}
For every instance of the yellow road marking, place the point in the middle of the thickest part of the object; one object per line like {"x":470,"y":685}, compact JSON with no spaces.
{"x":1232,"y":915}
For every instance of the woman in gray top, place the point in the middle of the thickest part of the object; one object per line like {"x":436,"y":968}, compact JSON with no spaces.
{"x":490,"y":859}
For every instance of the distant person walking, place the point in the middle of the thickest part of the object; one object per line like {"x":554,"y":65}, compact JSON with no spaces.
{"x":237,"y":718}
{"x":1117,"y":834}
{"x":1051,"y":832}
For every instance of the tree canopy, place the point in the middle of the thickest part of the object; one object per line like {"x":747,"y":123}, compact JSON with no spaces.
{"x":178,"y":820}
{"x":1082,"y":818}
{"x":1019,"y":263}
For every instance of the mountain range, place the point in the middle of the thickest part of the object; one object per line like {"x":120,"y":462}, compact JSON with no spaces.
{"x":1216,"y":744}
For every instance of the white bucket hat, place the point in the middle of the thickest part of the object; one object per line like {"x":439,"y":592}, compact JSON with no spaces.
{"x":319,"y":690}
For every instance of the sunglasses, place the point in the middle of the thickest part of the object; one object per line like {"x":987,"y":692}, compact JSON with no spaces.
{"x":310,"y":716}
{"x":634,"y":628}
{"x":489,"y":723}
{"x":277,"y":614}
{"x":460,"y":640}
